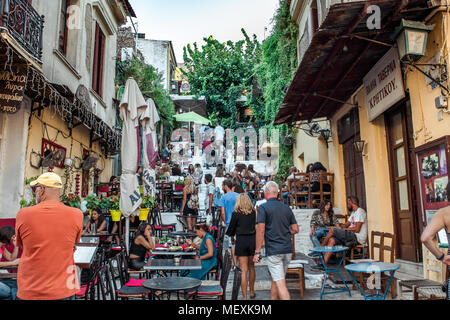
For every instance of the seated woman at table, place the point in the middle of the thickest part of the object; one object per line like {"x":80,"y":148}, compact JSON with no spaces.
{"x":97,"y":220}
{"x":190,"y":206}
{"x":8,"y":287}
{"x":321,"y":222}
{"x":207,"y":253}
{"x":140,"y":246}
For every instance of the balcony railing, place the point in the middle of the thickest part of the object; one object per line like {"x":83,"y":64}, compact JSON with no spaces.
{"x":24,"y":24}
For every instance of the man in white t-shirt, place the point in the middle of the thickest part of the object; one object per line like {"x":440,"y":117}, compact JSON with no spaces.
{"x":351,"y":233}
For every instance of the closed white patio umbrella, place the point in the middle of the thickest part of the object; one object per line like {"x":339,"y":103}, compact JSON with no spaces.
{"x":149,"y":119}
{"x":131,"y":107}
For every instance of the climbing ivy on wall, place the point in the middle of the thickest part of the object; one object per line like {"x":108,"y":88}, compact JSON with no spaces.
{"x":274,"y":74}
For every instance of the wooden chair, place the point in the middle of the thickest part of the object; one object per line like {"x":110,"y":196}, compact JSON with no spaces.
{"x":317,"y":197}
{"x":301,"y":189}
{"x":379,"y":241}
{"x":376,"y":240}
{"x":425,"y":289}
{"x":296,"y":270}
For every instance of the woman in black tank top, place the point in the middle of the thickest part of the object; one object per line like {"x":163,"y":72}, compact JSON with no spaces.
{"x":141,"y":244}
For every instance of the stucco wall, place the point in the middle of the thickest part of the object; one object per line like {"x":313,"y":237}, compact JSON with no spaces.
{"x":80,"y":136}
{"x":74,"y":69}
{"x":155,"y":53}
{"x":13,"y":160}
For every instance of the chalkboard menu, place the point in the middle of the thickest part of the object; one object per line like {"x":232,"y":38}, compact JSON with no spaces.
{"x":12,"y":87}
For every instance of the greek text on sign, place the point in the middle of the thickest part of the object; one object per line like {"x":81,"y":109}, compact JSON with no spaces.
{"x":384,"y":85}
{"x":12,"y":88}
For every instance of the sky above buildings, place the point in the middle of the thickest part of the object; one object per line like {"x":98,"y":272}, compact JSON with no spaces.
{"x":189,"y":21}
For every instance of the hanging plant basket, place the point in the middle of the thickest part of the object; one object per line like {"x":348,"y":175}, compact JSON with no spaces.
{"x":115,"y":215}
{"x":143,"y":214}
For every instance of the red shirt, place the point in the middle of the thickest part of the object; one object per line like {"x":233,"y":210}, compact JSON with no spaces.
{"x":48,"y":233}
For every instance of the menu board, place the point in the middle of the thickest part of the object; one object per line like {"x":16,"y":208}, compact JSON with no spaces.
{"x":12,"y":87}
{"x":432,"y":167}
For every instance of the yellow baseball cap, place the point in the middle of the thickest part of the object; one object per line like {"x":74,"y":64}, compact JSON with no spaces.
{"x":48,"y":179}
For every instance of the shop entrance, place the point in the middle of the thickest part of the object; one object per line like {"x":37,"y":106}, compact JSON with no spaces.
{"x":401,"y":161}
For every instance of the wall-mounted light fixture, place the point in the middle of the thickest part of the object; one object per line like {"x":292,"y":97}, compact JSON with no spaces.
{"x":325,"y":134}
{"x":359,"y":146}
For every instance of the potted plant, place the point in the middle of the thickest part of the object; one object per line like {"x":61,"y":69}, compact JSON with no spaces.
{"x":179,"y":185}
{"x":92,"y":202}
{"x":71,"y":200}
{"x":148,"y":202}
{"x":114,"y":207}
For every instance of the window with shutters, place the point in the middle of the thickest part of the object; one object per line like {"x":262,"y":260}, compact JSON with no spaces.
{"x":63,"y":30}
{"x":99,"y":53}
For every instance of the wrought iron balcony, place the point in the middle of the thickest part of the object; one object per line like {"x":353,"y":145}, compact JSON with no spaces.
{"x":24,"y":24}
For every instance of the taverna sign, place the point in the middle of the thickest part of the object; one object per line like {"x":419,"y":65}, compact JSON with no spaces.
{"x":384,"y":85}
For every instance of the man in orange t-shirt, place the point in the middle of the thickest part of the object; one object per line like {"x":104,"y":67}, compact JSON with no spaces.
{"x":48,"y":233}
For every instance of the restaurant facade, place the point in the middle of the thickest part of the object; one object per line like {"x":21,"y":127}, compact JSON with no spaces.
{"x":59,"y":62}
{"x":388,"y":114}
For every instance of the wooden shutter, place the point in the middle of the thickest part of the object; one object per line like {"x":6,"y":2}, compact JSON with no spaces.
{"x":99,"y":52}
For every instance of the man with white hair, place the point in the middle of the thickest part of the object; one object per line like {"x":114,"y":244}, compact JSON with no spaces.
{"x":276,"y":224}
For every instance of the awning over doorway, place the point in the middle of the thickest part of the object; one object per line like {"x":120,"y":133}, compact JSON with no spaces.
{"x":189,"y":103}
{"x":340,"y":55}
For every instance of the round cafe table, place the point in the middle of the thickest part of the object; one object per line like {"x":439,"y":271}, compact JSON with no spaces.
{"x":377,"y":269}
{"x":173,"y":285}
{"x":322,"y":251}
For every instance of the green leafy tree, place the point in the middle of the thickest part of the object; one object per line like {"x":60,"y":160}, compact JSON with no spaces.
{"x":274,"y":74}
{"x":222,"y":72}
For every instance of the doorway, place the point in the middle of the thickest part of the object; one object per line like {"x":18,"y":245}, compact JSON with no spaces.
{"x":401,"y":163}
{"x":348,"y":133}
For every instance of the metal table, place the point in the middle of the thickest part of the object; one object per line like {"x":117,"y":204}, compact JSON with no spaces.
{"x":169,"y":265}
{"x":173,"y":284}
{"x":376,"y":268}
{"x":84,"y":256}
{"x":321,"y":251}
{"x":182,"y":234}
{"x":173,"y":253}
{"x":8,"y":275}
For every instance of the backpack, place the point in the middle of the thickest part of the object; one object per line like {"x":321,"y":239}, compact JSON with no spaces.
{"x":217,"y":197}
{"x":193,"y":202}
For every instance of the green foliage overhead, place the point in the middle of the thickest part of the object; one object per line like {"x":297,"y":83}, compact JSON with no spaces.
{"x":274,"y":74}
{"x":150,"y":83}
{"x":221,"y":72}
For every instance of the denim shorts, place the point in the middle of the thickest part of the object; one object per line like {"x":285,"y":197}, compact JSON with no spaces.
{"x":278,"y":265}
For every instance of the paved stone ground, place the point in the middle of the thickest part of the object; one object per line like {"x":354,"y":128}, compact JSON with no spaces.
{"x":313,"y":278}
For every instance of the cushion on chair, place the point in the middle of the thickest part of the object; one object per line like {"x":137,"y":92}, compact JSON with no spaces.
{"x":135,"y":282}
{"x":82,"y":291}
{"x":299,"y":262}
{"x":208,"y":290}
{"x":125,"y":290}
{"x":295,"y":266}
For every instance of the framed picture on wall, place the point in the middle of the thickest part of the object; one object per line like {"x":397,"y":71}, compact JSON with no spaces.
{"x":432,"y":177}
